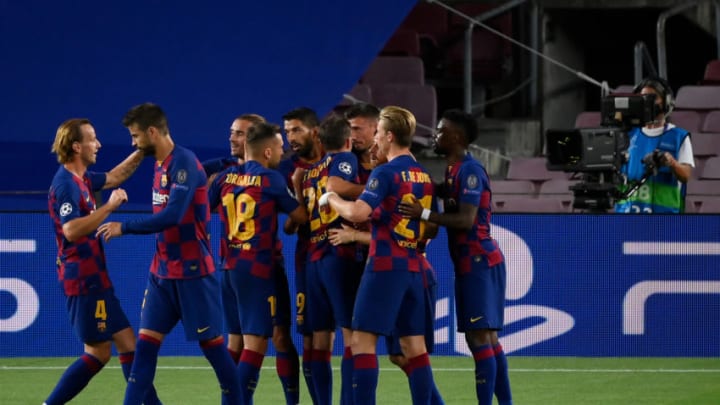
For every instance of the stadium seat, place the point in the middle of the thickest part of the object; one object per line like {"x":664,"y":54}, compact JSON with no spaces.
{"x":712,"y":122}
{"x":588,"y":119}
{"x":404,"y":42}
{"x":394,"y":70}
{"x":708,"y":206}
{"x":703,"y":188}
{"x":531,"y":205}
{"x":711,"y":169}
{"x":698,"y":98}
{"x":712,"y":73}
{"x":705,"y":145}
{"x":689,"y":120}
{"x":533,"y":169}
{"x":519,"y":187}
{"x":556,"y":187}
{"x":360,"y":92}
{"x":421,"y":100}
{"x":624,"y":89}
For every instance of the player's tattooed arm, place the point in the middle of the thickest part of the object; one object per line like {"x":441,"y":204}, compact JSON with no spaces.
{"x":122,"y":171}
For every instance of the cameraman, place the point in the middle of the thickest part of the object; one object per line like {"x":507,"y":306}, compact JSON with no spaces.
{"x":661,"y":149}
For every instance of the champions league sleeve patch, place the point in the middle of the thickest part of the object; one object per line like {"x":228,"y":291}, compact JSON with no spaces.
{"x":345,"y":167}
{"x":65,"y":209}
{"x":373,"y":184}
{"x":181,"y":176}
{"x":472,"y":181}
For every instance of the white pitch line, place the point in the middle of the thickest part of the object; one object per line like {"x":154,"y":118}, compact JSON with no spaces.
{"x":512,"y":370}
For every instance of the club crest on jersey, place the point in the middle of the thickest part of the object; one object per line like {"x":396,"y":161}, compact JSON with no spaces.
{"x":372,"y":184}
{"x":65,"y":209}
{"x":345,"y":167}
{"x":163,"y":180}
{"x":472,"y":181}
{"x":181,"y":176}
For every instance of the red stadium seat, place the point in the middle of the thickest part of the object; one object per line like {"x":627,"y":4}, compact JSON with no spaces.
{"x":689,"y":120}
{"x":530,"y":205}
{"x":394,"y":70}
{"x":521,"y":187}
{"x":712,"y":122}
{"x":533,"y":169}
{"x":712,"y":73}
{"x":705,"y":145}
{"x":698,"y":98}
{"x":360,"y":92}
{"x":588,"y":119}
{"x":420,"y":99}
{"x":703,"y":188}
{"x":709,"y":206}
{"x":711,"y":170}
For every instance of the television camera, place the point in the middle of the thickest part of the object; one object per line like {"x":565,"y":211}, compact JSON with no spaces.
{"x":598,"y":154}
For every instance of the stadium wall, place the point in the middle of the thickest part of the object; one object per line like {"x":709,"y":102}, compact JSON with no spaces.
{"x":578,"y":285}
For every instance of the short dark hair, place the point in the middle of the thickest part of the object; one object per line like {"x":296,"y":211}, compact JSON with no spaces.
{"x":252,"y":118}
{"x":146,"y":115}
{"x":334,"y":131}
{"x":306,"y":115}
{"x":364,"y":110}
{"x":464,"y":121}
{"x":259,"y":133}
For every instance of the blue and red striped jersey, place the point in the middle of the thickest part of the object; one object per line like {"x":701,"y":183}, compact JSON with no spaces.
{"x":287,"y":168}
{"x":396,"y":240}
{"x":467,"y":182}
{"x":81,"y":266}
{"x":251,"y":197}
{"x":181,"y":214}
{"x":340,"y":164}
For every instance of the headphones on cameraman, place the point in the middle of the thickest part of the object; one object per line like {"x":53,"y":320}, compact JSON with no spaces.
{"x":662,"y":87}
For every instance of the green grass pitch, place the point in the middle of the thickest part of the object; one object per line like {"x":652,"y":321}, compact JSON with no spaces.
{"x":535,"y":380}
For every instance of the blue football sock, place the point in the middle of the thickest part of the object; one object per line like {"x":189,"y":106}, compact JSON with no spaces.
{"x":346,"y":376}
{"x":74,"y":379}
{"x":322,"y":376}
{"x":248,"y":372}
{"x":142,"y":373}
{"x":288,"y":371}
{"x":126,"y":360}
{"x":420,"y":377}
{"x":485,"y":372}
{"x":307,"y":373}
{"x":365,"y":378}
{"x":502,"y":381}
{"x":224,"y":367}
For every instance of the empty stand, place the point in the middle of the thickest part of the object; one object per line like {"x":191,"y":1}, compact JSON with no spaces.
{"x":360,"y":92}
{"x":689,"y":120}
{"x":588,"y":119}
{"x":430,"y":21}
{"x":712,"y":122}
{"x":394,"y":69}
{"x":703,"y":188}
{"x":533,"y":169}
{"x":712,"y":73}
{"x":711,"y":169}
{"x":404,"y":42}
{"x":531,"y":205}
{"x":421,"y":100}
{"x":705,"y":145}
{"x":698,"y":98}
{"x":520,"y":187}
{"x":708,"y":206}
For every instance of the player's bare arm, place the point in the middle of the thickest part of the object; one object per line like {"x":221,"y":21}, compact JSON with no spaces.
{"x":348,"y":234}
{"x":122,"y":171}
{"x":462,"y":220}
{"x":344,"y":188}
{"x":353,"y":211}
{"x":79,"y":227}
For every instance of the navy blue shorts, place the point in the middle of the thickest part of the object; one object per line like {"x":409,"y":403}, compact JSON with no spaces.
{"x":300,"y":301}
{"x":283,"y":313}
{"x":96,"y":317}
{"x":393,"y":341}
{"x":195,"y":301}
{"x":480,"y":297}
{"x":332,"y":284}
{"x":389,"y":301}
